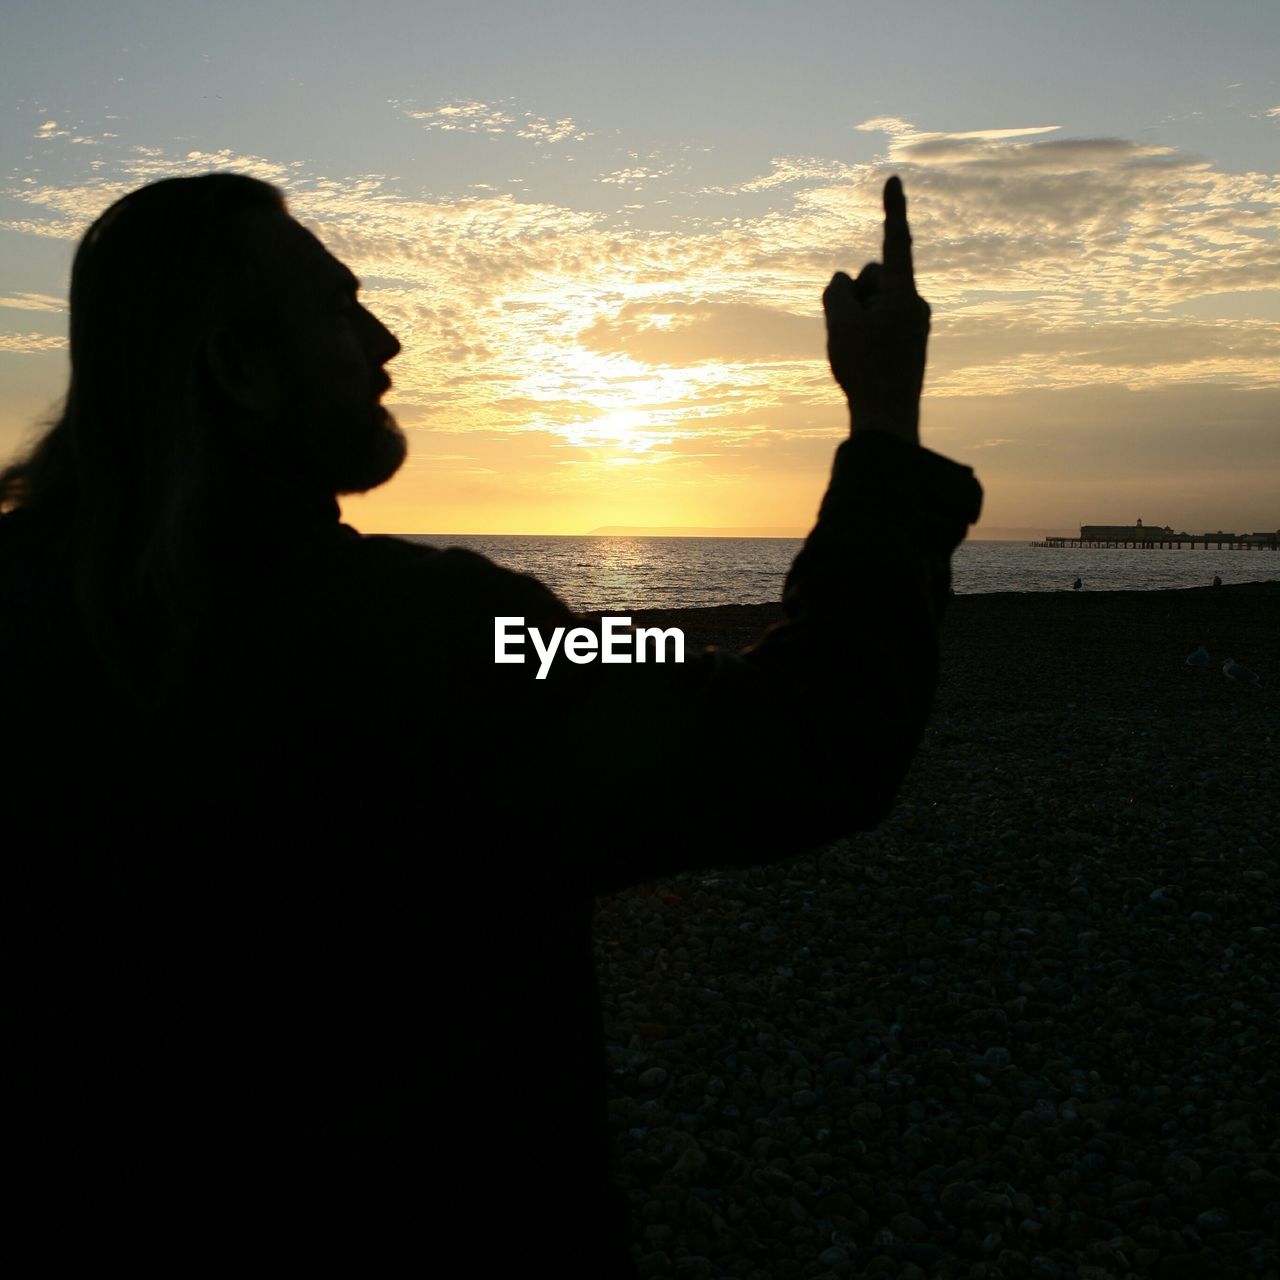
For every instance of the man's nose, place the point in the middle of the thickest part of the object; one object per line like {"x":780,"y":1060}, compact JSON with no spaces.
{"x":383,"y":344}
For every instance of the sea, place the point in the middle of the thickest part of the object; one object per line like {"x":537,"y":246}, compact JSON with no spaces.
{"x":616,"y":574}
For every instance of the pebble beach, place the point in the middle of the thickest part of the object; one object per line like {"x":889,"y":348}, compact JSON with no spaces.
{"x":1030,"y":1026}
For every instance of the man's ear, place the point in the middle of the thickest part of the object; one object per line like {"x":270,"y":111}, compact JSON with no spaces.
{"x":242,"y":373}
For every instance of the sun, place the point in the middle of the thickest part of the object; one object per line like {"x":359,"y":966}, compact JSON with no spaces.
{"x":620,"y":428}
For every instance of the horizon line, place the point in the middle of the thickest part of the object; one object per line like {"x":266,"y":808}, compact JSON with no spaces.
{"x":1012,"y":533}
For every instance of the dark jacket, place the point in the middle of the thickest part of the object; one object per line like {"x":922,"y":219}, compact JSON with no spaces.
{"x":307,"y":958}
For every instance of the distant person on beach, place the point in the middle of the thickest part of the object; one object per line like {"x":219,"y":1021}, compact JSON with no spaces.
{"x":298,"y":882}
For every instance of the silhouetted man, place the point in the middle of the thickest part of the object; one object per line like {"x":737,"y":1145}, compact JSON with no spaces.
{"x":297,"y":880}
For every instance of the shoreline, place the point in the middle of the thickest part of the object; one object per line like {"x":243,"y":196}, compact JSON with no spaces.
{"x":1059,"y":626}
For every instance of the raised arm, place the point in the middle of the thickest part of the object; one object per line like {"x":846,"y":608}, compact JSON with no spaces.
{"x":742,"y":758}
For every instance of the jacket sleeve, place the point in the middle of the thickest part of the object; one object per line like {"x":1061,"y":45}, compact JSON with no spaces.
{"x":627,"y":773}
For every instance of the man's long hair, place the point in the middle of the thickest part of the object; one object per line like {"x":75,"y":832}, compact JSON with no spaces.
{"x":117,"y":493}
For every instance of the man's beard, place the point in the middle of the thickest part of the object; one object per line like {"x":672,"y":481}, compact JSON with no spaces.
{"x":373,"y":458}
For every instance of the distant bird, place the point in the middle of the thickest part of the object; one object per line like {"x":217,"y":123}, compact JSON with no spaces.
{"x":1217,"y":581}
{"x":1076,"y":585}
{"x":1234,"y":671}
{"x":1197,"y":661}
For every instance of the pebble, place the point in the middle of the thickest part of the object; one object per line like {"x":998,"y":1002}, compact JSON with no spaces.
{"x":1034,"y":1007}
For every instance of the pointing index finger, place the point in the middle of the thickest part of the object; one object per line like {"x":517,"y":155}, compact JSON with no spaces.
{"x":899,"y":275}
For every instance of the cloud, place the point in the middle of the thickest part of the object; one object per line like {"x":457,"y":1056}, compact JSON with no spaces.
{"x":495,"y":119}
{"x":1092,"y":227}
{"x":50,"y":130}
{"x":906,"y":134}
{"x":551,"y":131}
{"x":1274,"y":113}
{"x":1053,"y":264}
{"x":680,"y":333}
{"x":787,"y":170}
{"x":468,"y":117}
{"x":33,"y":302}
{"x":1088,"y":434}
{"x":635,"y":176}
{"x":65,"y":212}
{"x":974,"y":355}
{"x":27,"y":343}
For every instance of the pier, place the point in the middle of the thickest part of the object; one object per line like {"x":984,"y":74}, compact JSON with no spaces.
{"x":1150,"y":538}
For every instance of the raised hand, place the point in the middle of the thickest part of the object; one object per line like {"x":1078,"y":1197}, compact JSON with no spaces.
{"x":877,"y":332}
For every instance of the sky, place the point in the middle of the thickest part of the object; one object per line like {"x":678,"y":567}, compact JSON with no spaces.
{"x":601,"y":232}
